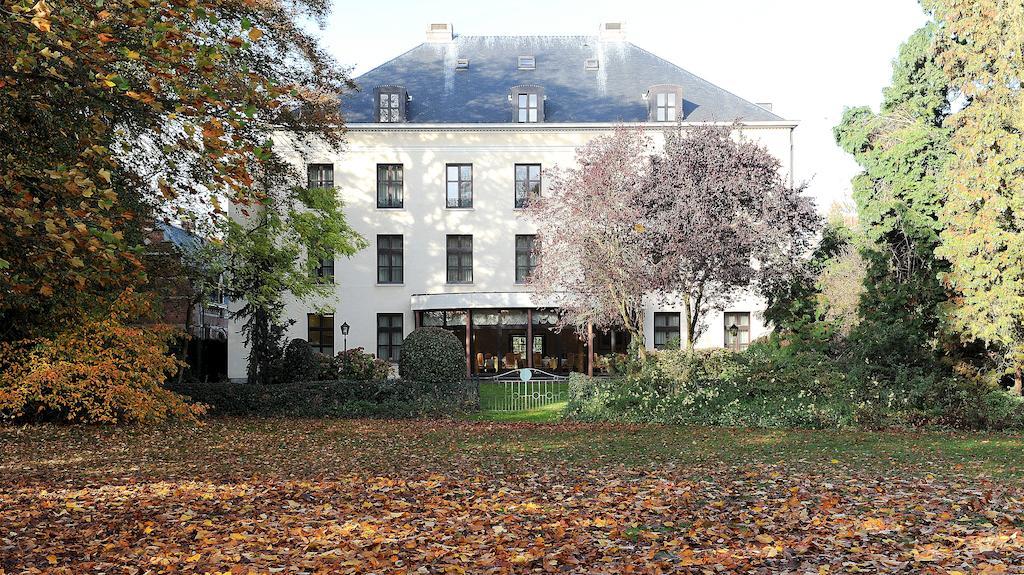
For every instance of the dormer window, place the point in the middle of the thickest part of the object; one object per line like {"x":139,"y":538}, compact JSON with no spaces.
{"x":591,"y":64}
{"x":527,"y":104}
{"x":391,"y":102}
{"x":527,"y":63}
{"x":665,"y":103}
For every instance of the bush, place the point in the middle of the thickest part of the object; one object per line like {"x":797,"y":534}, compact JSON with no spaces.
{"x":356,"y":365}
{"x":680,"y":365}
{"x":101,"y":370}
{"x":433,"y":355}
{"x":336,"y":398}
{"x":793,"y":383}
{"x":302,"y":363}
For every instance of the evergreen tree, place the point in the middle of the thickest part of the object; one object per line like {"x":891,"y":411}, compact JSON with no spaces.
{"x":902,"y":150}
{"x":981,"y":50}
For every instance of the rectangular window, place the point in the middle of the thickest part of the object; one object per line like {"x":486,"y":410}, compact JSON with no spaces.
{"x":519,"y":345}
{"x":389,"y":107}
{"x":320,"y":333}
{"x":459,"y":185}
{"x":527,"y":107}
{"x":665,"y":107}
{"x":390,"y":185}
{"x":737,"y":330}
{"x":325,"y":270}
{"x":460,"y":259}
{"x":527,"y":63}
{"x":390,"y":264}
{"x":527,"y":183}
{"x":320,"y":176}
{"x":389,"y":336}
{"x":666,"y":329}
{"x":526,"y":257}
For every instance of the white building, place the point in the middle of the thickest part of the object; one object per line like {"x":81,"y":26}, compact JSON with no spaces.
{"x":444,"y":141}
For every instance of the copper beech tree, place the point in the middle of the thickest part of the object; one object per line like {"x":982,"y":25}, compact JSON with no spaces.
{"x":115,"y":113}
{"x":693,"y":223}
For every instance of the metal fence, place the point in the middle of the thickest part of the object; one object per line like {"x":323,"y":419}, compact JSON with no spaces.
{"x":521,"y":390}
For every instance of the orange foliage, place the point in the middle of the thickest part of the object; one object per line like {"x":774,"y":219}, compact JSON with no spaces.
{"x":105,"y":369}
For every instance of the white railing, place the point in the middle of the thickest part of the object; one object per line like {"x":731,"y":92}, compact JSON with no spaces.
{"x":522,"y":389}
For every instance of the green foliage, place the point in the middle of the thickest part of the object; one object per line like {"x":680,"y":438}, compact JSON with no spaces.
{"x":902,"y":151}
{"x":333,"y":398}
{"x":302,"y":363}
{"x":433,"y":355}
{"x":794,"y":306}
{"x":357,"y":365}
{"x":266,"y":262}
{"x":792,"y":383}
{"x":982,"y":218}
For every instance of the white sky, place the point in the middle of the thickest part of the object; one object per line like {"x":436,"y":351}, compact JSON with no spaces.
{"x":808,"y":57}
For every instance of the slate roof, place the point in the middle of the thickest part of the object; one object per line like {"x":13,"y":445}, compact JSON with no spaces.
{"x":442,"y":94}
{"x":181,"y":238}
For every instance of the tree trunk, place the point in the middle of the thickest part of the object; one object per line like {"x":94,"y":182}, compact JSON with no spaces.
{"x":257,"y":342}
{"x":183,"y":355}
{"x":1018,"y":381}
{"x":688,"y":314}
{"x":641,"y":347}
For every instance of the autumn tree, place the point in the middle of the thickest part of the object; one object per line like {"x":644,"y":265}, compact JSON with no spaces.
{"x":112,"y":113}
{"x":116,"y":113}
{"x":981,"y":51}
{"x":725,"y":221}
{"x":597,"y":259}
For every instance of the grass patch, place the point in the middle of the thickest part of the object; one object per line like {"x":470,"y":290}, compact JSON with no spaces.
{"x":498,"y":404}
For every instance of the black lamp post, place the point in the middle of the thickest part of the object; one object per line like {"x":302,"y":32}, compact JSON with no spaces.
{"x":344,"y":333}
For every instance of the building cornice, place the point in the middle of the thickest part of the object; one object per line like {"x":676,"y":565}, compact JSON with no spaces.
{"x":555,"y":126}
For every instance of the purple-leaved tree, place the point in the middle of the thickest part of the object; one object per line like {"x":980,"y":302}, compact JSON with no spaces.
{"x":698,"y":222}
{"x":725,"y":219}
{"x":596,"y":260}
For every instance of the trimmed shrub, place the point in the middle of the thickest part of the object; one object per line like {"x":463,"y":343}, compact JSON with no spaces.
{"x":433,"y":355}
{"x":357,"y":365}
{"x":302,"y":363}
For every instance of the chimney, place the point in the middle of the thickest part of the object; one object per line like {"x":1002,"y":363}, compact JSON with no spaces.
{"x":766,"y":105}
{"x":612,"y":32}
{"x":440,"y":33}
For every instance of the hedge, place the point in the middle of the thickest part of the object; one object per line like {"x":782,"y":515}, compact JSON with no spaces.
{"x":335,"y":398}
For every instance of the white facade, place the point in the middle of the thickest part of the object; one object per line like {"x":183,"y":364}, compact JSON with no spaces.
{"x":493,"y":222}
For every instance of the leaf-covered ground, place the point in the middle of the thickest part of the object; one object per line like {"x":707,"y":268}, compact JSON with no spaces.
{"x":308,"y":496}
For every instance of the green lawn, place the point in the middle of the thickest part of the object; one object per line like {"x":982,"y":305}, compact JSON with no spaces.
{"x":375,"y":496}
{"x":494,"y":395}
